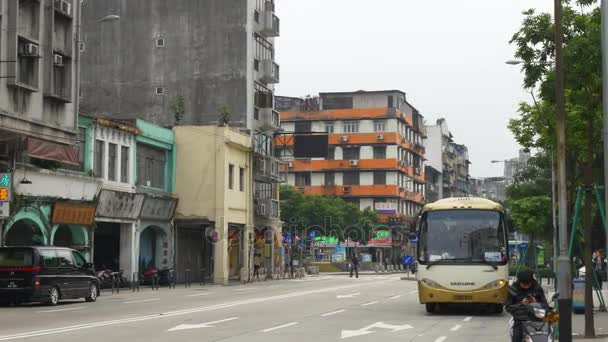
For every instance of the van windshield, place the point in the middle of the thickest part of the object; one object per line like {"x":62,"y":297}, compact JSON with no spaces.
{"x":15,"y":257}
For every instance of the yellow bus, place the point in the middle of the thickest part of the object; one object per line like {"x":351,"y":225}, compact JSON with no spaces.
{"x":463,"y":253}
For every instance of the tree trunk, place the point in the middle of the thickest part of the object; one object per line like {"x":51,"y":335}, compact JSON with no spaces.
{"x":587,"y":226}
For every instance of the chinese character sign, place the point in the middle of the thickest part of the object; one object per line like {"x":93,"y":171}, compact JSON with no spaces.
{"x":5,"y":187}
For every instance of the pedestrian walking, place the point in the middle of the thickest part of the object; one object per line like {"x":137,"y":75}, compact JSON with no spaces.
{"x":598,"y":267}
{"x":354,"y":266}
{"x":257,"y":262}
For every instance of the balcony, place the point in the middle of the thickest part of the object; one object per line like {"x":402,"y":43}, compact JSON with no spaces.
{"x":269,"y":119}
{"x":266,"y":169}
{"x":270,"y":71}
{"x":271,"y":23}
{"x":267,"y":208}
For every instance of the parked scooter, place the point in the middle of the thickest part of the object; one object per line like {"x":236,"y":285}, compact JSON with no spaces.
{"x":537,"y":321}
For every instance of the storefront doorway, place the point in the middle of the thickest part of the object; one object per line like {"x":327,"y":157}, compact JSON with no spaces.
{"x":235,"y":238}
{"x":24,"y":233}
{"x":106,"y":252}
{"x":149,"y":247}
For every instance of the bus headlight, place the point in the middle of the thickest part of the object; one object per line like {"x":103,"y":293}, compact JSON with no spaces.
{"x":432,"y":284}
{"x":495,"y":284}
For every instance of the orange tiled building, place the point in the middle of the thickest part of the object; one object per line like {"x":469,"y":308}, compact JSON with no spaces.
{"x":376,"y":153}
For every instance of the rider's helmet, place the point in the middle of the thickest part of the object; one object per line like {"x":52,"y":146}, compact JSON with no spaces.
{"x":525,"y":277}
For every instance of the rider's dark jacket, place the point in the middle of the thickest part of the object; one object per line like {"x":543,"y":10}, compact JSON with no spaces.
{"x":513,"y":304}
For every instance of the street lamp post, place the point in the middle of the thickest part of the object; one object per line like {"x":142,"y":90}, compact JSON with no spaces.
{"x":605,"y":101}
{"x":564,"y":277}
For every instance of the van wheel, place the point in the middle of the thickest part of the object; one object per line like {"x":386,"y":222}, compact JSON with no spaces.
{"x":93,"y":292}
{"x":430,"y":307}
{"x":53,"y":296}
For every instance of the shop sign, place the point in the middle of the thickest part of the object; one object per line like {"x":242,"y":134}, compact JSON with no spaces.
{"x":5,"y":194}
{"x":67,"y":213}
{"x":121,"y":205}
{"x":383,"y":237}
{"x":386,"y":207}
{"x":158,"y":208}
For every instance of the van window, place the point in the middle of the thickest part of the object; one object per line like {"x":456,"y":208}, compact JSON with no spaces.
{"x":48,"y":258}
{"x":15,"y":257}
{"x":65,"y":258}
{"x":79,"y":259}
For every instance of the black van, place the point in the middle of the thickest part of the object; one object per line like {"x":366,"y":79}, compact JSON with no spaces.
{"x":45,"y":274}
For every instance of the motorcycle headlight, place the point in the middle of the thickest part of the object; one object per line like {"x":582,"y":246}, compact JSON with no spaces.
{"x":540,"y":313}
{"x":431,"y":283}
{"x":495,"y":284}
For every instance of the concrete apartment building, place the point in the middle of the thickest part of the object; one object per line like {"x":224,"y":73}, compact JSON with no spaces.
{"x":376,"y":155}
{"x":191,"y":63}
{"x":38,"y":126}
{"x":447,"y":169}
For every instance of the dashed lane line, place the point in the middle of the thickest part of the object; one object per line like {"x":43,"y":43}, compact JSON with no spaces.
{"x":395,"y":297}
{"x":141,"y":301}
{"x":441,"y":339}
{"x":370,"y":303}
{"x":200,"y":294}
{"x":61,"y":310}
{"x":279,"y":327}
{"x":456,"y":327}
{"x":332,"y":313}
{"x":468,"y":319}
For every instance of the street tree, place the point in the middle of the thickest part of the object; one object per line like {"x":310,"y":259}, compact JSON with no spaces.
{"x":583,"y":97}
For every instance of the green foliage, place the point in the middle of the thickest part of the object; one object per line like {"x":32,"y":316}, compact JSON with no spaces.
{"x":532,"y":215}
{"x":179,"y":108}
{"x":328,"y":214}
{"x":224,"y":116}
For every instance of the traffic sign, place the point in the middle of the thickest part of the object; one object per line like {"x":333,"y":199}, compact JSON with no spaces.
{"x":523,"y":245}
{"x":408,"y":260}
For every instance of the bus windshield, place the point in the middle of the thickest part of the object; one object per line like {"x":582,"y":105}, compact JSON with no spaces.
{"x":463,"y":236}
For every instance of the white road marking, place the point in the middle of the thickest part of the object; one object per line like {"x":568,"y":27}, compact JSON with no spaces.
{"x":456,"y":327}
{"x":414,"y":292}
{"x":60,"y":310}
{"x":202,"y":325}
{"x":170,"y":314}
{"x":142,"y":301}
{"x":348,"y":295}
{"x":366,"y":330}
{"x":441,"y":339}
{"x":332,"y":313}
{"x":370,"y":303}
{"x":468,"y":319}
{"x":245,"y":289}
{"x":279,"y":327}
{"x":395,"y":297}
{"x":200,"y":294}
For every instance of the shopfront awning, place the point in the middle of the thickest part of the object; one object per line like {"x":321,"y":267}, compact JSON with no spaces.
{"x":46,"y":150}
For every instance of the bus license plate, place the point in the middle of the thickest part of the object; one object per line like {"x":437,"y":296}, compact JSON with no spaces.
{"x":463,"y":298}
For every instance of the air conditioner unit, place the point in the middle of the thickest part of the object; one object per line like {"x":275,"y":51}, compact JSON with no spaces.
{"x":379,"y":137}
{"x":344,"y":138}
{"x":30,"y":49}
{"x":353,"y":162}
{"x":290,"y":165}
{"x":57,"y":60}
{"x":261,"y":209}
{"x":63,"y":6}
{"x":346,"y":189}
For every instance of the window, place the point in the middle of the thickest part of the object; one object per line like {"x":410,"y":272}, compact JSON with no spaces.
{"x":125,"y":151}
{"x":256,"y":113}
{"x":330,"y":178}
{"x":112,"y":151}
{"x":303,"y":126}
{"x":256,"y":64}
{"x":98,"y":158}
{"x":230,"y":177}
{"x":160,"y":42}
{"x":256,"y":16}
{"x":350,"y":153}
{"x":329,"y":127}
{"x":64,"y":257}
{"x":151,"y":164}
{"x":331,"y":153}
{"x":380,"y":126}
{"x":379,"y":177}
{"x":303,"y":179}
{"x":391,"y":101}
{"x":351,"y":178}
{"x":379,"y":152}
{"x":241,"y":179}
{"x":78,"y":259}
{"x":48,"y":258}
{"x":351,"y":126}
{"x":81,"y":138}
{"x":160,"y":90}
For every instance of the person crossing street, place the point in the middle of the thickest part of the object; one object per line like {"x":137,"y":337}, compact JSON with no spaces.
{"x":354,"y":266}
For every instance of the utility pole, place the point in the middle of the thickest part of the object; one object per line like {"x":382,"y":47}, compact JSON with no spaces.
{"x":605,"y":101}
{"x":554,"y":214}
{"x":564,"y":276}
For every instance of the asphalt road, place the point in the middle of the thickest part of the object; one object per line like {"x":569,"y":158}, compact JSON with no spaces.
{"x":325,"y":308}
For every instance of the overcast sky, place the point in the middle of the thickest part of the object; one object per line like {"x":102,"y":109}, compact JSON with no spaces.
{"x":448,"y":57}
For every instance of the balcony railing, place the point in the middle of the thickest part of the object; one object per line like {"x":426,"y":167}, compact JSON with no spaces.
{"x":271,"y":24}
{"x":267,"y":208}
{"x":266,"y":168}
{"x":270,"y":71}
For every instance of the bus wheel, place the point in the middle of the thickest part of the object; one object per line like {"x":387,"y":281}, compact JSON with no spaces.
{"x":430,"y":307}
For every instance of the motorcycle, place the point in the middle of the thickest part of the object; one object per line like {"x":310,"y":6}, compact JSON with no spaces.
{"x":108,"y":278}
{"x":537,"y":321}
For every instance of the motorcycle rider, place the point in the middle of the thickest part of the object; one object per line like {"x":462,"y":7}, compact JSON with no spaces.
{"x":527,"y":291}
